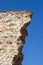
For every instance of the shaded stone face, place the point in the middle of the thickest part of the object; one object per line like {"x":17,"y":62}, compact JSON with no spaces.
{"x":12,"y":36}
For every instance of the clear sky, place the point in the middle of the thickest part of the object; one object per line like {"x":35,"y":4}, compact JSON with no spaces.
{"x":33,"y":49}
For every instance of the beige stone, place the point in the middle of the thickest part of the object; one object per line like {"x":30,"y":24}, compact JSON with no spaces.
{"x":12,"y":36}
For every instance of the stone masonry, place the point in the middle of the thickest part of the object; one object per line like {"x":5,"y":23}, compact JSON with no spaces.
{"x":12,"y":36}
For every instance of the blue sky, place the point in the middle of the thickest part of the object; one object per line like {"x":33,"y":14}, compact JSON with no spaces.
{"x":33,"y":49}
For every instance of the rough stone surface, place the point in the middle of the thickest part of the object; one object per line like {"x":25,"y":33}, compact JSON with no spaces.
{"x":12,"y":36}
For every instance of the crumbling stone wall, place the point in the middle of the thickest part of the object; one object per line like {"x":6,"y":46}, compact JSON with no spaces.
{"x":12,"y":36}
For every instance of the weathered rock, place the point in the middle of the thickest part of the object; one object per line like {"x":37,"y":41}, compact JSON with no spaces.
{"x":12,"y":36}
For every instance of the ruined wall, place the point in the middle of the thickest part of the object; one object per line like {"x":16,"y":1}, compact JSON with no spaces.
{"x":12,"y":36}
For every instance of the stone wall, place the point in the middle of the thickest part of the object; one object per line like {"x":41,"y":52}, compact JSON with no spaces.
{"x":12,"y":36}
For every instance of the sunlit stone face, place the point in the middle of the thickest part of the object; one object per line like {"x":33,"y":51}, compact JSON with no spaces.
{"x":10,"y":25}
